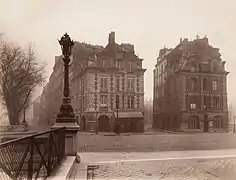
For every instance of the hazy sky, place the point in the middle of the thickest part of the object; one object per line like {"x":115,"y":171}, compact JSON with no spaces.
{"x":148,"y":24}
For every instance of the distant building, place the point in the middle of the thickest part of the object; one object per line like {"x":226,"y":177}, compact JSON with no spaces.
{"x":190,"y":88}
{"x":48,"y":104}
{"x":109,"y":75}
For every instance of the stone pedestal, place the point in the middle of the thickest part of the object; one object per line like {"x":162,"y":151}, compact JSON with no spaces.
{"x":66,"y":118}
{"x":71,"y":141}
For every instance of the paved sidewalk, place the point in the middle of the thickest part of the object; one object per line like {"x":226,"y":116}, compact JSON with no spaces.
{"x":113,"y":157}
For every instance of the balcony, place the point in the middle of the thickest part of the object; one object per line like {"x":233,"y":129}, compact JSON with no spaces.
{"x":104,"y":90}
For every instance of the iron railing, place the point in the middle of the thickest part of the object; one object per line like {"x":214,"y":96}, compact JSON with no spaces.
{"x":32,"y":157}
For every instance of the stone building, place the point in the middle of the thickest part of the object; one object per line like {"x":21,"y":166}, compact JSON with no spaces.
{"x":99,"y":77}
{"x":190,"y":88}
{"x":109,"y":76}
{"x":47,"y":105}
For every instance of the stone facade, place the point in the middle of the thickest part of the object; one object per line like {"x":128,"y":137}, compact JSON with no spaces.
{"x":193,"y":95}
{"x":97,"y":76}
{"x":106,"y":74}
{"x":47,"y":105}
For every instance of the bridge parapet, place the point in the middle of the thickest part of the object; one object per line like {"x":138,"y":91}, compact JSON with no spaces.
{"x":33,"y":156}
{"x":22,"y":128}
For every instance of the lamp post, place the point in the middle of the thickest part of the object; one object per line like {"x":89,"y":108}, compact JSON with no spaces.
{"x":66,"y":111}
{"x":96,"y":121}
{"x":66,"y":117}
{"x":24,"y":122}
{"x":117,"y":117}
{"x":234,"y":124}
{"x":24,"y":119}
{"x":95,"y":99}
{"x":96,"y":113}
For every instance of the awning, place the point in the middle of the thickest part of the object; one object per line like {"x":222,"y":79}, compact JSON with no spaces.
{"x":130,"y":115}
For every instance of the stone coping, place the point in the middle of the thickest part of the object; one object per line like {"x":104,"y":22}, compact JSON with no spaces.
{"x":63,"y":170}
{"x":17,"y":133}
{"x":121,"y":157}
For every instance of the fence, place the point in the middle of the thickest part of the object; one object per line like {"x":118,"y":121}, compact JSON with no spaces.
{"x":32,"y":157}
{"x":23,"y":128}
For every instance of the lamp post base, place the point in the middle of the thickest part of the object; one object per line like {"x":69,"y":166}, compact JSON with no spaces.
{"x":66,"y":118}
{"x":66,"y":113}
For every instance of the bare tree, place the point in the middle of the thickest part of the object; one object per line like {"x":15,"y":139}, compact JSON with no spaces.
{"x":20,"y":74}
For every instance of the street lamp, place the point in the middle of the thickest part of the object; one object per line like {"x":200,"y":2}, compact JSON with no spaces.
{"x":234,"y":124}
{"x":117,"y":108}
{"x":117,"y":117}
{"x":66,"y":117}
{"x":96,"y":116}
{"x":66,"y":110}
{"x":24,"y":118}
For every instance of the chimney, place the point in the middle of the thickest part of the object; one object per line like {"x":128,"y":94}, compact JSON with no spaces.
{"x":111,"y":38}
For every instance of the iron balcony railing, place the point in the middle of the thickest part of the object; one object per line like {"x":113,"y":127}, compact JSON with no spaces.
{"x":32,"y":157}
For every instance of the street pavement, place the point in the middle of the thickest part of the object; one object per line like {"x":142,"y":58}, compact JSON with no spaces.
{"x":155,"y":142}
{"x":168,"y":170}
{"x":179,"y":165}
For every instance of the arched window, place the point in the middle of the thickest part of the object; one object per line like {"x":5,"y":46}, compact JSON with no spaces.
{"x":194,"y":122}
{"x":217,"y":122}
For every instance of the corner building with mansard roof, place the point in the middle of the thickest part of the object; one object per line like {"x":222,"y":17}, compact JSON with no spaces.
{"x":105,"y":79}
{"x":190,"y":91}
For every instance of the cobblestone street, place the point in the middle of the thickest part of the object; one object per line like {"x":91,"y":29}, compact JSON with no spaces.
{"x":179,"y":165}
{"x":168,"y":170}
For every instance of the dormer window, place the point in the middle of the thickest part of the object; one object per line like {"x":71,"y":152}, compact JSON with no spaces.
{"x":118,"y":64}
{"x":214,"y":84}
{"x":214,"y":67}
{"x":193,"y":67}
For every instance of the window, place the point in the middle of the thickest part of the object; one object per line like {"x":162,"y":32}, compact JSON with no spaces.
{"x":192,"y":106}
{"x":214,"y":84}
{"x":193,"y":68}
{"x":130,"y":84}
{"x":214,"y":67}
{"x":130,"y":102}
{"x":118,"y":64}
{"x":117,"y":83}
{"x":104,"y":84}
{"x":204,"y":84}
{"x":103,"y":63}
{"x":216,"y":102}
{"x":117,"y":101}
{"x":103,"y":100}
{"x":205,"y":102}
{"x":162,"y":68}
{"x":130,"y":65}
{"x":193,"y":83}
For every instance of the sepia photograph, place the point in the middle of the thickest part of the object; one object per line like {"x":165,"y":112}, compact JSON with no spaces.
{"x":117,"y":90}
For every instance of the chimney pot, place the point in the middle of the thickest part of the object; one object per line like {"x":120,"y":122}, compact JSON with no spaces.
{"x":111,"y":38}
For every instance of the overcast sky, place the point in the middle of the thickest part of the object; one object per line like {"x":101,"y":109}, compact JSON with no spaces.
{"x":148,"y":24}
